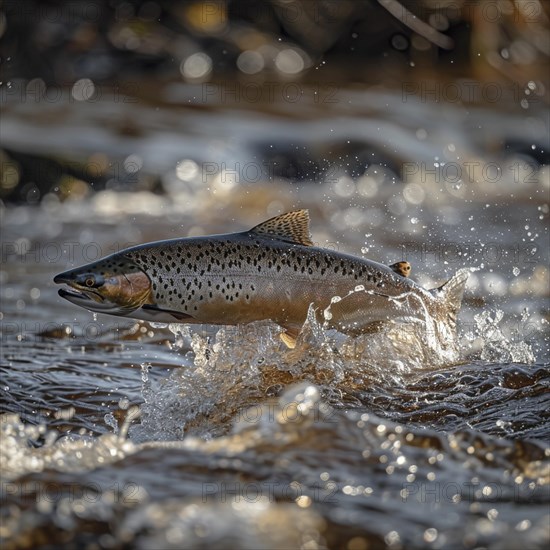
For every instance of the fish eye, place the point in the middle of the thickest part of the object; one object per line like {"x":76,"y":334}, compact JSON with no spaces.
{"x":91,"y":281}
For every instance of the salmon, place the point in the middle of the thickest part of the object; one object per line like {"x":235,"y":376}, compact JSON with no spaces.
{"x":271,"y":272}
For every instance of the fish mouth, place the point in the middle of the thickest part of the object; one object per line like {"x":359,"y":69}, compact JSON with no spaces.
{"x":89,"y":300}
{"x":92,"y":301}
{"x":72,"y":293}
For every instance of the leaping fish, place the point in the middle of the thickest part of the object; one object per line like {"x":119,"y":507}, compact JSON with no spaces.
{"x":273,"y":271}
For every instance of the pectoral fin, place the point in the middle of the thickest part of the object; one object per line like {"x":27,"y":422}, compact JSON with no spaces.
{"x":155,"y":314}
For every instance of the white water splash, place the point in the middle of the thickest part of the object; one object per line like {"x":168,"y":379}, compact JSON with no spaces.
{"x":404,"y":344}
{"x":65,"y":453}
{"x":495,"y":345}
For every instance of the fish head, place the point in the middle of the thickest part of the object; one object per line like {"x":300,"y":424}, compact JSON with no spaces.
{"x":113,"y":285}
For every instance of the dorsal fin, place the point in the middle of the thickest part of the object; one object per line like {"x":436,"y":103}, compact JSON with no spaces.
{"x":291,"y":227}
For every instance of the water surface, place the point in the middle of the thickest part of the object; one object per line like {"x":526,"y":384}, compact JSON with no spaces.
{"x":121,"y":434}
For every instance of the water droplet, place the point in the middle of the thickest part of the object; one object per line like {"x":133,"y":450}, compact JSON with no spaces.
{"x":124,"y":403}
{"x":111,"y":421}
{"x":145,"y":372}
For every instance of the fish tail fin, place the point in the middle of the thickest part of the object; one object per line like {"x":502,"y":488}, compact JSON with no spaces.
{"x":450,"y":294}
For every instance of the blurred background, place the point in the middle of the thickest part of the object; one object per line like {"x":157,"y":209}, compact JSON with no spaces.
{"x":166,"y":95}
{"x":412,"y":130}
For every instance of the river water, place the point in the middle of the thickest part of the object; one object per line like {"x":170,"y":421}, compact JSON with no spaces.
{"x":118,"y":434}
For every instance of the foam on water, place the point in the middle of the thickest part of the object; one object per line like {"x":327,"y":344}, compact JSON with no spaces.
{"x":394,"y":467}
{"x":232,"y":368}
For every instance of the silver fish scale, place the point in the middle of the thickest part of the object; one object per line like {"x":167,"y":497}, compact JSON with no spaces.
{"x":192,"y":274}
{"x":269,"y":272}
